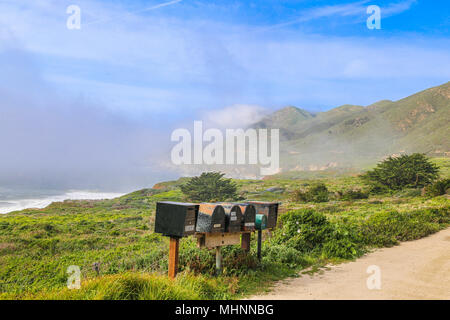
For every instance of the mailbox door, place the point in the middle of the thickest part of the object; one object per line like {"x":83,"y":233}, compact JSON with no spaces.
{"x":248,"y":217}
{"x":211,"y":218}
{"x":218,"y":220}
{"x":191,"y":219}
{"x":234,"y":219}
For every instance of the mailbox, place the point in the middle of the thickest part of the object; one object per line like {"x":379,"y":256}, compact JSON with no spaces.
{"x":269,"y":209}
{"x":261,"y":222}
{"x":211,"y":218}
{"x":248,"y":214}
{"x":176,"y":219}
{"x":233,"y":216}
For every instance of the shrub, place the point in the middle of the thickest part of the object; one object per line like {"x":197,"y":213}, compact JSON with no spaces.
{"x":397,"y":173}
{"x":344,"y":243}
{"x":438,"y":188}
{"x":316,"y":193}
{"x":236,"y":261}
{"x":283,"y":254}
{"x":209,"y":186}
{"x":201,"y":261}
{"x":385,"y":229}
{"x":303,"y":230}
{"x":341,"y":248}
{"x":195,"y":259}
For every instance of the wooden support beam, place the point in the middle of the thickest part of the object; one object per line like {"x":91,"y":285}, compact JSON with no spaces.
{"x":173,"y":257}
{"x":245,"y":241}
{"x":218,"y":261}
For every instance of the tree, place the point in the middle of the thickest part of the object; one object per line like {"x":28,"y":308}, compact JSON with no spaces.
{"x":413,"y":170}
{"x":209,"y":187}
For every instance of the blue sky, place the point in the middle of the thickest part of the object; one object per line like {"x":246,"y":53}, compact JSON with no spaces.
{"x":142,"y":69}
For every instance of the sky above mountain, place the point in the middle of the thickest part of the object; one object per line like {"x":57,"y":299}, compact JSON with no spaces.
{"x":138,"y":69}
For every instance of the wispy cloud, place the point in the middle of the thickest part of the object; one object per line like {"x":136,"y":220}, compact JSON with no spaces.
{"x":344,"y":10}
{"x":118,"y":17}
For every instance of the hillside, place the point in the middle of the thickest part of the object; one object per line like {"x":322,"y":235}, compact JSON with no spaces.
{"x":352,"y":136}
{"x":119,"y":256}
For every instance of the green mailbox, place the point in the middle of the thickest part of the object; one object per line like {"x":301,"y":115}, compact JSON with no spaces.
{"x":260,"y":222}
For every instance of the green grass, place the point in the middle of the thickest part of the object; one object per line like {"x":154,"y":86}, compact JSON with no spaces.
{"x":37,"y":246}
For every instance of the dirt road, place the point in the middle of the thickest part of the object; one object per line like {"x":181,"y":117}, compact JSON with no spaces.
{"x":417,"y":269}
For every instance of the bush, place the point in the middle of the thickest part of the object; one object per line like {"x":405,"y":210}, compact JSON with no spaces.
{"x":236,"y":261}
{"x":303,"y":230}
{"x":210,"y":186}
{"x":438,"y":188}
{"x":316,"y":193}
{"x":385,"y":229}
{"x":201,"y":261}
{"x":414,"y":170}
{"x":344,"y":243}
{"x":283,"y":254}
{"x":341,"y":248}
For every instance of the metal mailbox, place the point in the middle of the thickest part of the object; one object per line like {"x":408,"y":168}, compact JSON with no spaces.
{"x":176,"y":219}
{"x":211,"y":218}
{"x":269,"y":209}
{"x":248,"y":214}
{"x":261,"y":222}
{"x":233,"y":217}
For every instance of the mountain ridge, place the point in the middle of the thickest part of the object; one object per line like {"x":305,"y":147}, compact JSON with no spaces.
{"x":353,"y":135}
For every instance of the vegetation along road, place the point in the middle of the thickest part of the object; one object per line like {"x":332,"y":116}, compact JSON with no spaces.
{"x":417,"y":269}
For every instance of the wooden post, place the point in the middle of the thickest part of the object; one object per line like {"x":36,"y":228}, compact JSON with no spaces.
{"x":245,"y":241}
{"x":218,"y":261}
{"x":173,"y":257}
{"x":259,"y":244}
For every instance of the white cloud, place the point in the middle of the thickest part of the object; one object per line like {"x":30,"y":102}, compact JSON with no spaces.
{"x":235,"y":116}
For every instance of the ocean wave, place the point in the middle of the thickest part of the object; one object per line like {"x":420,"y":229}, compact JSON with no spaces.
{"x":39,"y":203}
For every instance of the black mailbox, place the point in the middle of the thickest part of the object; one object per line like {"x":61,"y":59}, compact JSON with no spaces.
{"x":269,"y":209}
{"x":249,"y":215}
{"x":176,"y":219}
{"x":233,"y":217}
{"x":211,"y":218}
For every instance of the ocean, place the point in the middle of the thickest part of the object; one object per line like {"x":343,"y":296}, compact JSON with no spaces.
{"x":11,"y":201}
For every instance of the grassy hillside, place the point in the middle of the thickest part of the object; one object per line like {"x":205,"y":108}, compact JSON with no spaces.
{"x":355,"y":136}
{"x":37,"y":246}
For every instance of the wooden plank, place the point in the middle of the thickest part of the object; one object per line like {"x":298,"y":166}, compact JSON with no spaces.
{"x":173,"y":257}
{"x":213,"y":240}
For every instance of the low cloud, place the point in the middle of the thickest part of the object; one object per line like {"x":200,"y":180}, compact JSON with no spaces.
{"x":51,"y":140}
{"x":235,"y":116}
